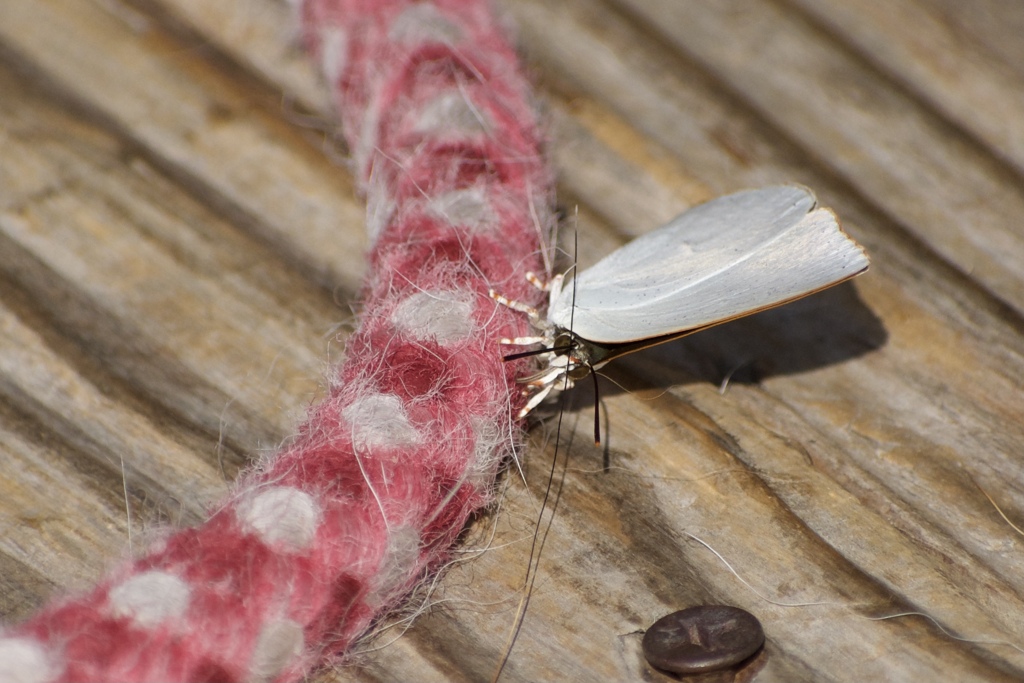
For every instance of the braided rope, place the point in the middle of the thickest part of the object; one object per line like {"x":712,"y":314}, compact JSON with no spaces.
{"x":321,"y":539}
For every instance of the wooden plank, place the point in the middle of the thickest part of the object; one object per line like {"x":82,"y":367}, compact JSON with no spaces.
{"x":956,"y":73}
{"x":201,"y":124}
{"x":172,"y":236}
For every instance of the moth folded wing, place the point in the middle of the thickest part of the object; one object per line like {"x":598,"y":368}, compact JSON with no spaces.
{"x":766,"y":265}
{"x":812,"y":255}
{"x":693,"y":246}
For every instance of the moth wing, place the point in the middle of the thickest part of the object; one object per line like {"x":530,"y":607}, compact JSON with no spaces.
{"x":726,"y":258}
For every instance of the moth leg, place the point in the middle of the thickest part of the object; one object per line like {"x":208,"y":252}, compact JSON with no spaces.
{"x":546,"y":376}
{"x":532,"y":278}
{"x":524,"y":341}
{"x":535,"y":320}
{"x":514,"y":305}
{"x":536,"y":400}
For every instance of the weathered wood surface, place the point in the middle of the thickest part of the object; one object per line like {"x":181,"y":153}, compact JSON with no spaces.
{"x":180,"y":251}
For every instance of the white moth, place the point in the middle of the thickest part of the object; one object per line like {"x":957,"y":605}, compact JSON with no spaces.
{"x":731,"y":257}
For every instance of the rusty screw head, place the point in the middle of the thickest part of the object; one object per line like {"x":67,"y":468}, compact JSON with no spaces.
{"x":702,"y":639}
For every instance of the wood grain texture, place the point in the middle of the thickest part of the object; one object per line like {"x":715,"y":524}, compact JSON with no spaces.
{"x":180,"y":254}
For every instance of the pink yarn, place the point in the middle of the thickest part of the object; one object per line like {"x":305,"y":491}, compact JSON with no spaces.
{"x":334,"y":530}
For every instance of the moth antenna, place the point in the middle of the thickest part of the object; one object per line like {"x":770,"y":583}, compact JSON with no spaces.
{"x":539,"y":539}
{"x":597,"y":409}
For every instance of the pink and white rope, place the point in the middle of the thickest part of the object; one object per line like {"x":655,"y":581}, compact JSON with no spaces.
{"x":334,"y":530}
